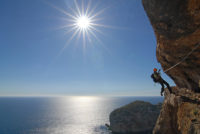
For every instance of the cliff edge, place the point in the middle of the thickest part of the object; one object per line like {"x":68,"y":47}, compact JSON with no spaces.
{"x":176,"y":24}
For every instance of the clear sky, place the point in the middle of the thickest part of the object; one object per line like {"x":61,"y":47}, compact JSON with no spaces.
{"x":37,"y":56}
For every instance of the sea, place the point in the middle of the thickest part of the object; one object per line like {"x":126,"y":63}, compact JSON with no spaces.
{"x":60,"y":115}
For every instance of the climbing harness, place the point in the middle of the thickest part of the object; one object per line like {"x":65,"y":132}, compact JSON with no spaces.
{"x":183,"y":58}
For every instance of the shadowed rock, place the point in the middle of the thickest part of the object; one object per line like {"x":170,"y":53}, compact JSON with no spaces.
{"x":136,"y":118}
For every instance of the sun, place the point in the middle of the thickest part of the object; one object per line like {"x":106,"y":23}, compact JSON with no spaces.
{"x":83,"y":22}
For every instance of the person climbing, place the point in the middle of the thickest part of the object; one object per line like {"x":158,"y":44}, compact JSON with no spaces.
{"x":158,"y":79}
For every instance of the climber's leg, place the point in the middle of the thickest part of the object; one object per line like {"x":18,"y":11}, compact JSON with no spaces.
{"x":162,"y":89}
{"x":170,"y":90}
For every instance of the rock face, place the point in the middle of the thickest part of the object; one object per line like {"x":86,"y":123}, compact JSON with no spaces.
{"x":176,"y":24}
{"x":136,"y":118}
{"x":180,"y":113}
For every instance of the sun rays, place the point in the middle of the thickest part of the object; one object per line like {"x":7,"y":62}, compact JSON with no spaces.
{"x":82,"y":22}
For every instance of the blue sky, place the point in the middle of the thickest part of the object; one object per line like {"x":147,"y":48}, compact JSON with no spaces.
{"x":31,"y":41}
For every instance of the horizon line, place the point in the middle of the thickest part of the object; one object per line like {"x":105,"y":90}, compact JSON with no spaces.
{"x":80,"y":96}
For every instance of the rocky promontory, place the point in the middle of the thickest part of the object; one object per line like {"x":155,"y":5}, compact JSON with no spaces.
{"x":138,"y":117}
{"x":179,"y":114}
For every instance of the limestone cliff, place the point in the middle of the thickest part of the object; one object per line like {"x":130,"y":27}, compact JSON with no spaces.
{"x":176,"y":24}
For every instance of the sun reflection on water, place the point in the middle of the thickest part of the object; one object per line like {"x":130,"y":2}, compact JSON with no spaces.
{"x":81,"y":115}
{"x":85,"y":99}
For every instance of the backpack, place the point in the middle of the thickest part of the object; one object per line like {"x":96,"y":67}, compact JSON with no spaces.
{"x":153,"y":77}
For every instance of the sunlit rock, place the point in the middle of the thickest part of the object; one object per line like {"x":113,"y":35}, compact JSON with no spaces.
{"x":176,"y":24}
{"x":180,"y":113}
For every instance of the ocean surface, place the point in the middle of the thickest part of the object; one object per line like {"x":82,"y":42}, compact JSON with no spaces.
{"x":60,"y":115}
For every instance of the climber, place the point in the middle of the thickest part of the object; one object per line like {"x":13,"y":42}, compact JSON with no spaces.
{"x":158,"y":79}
